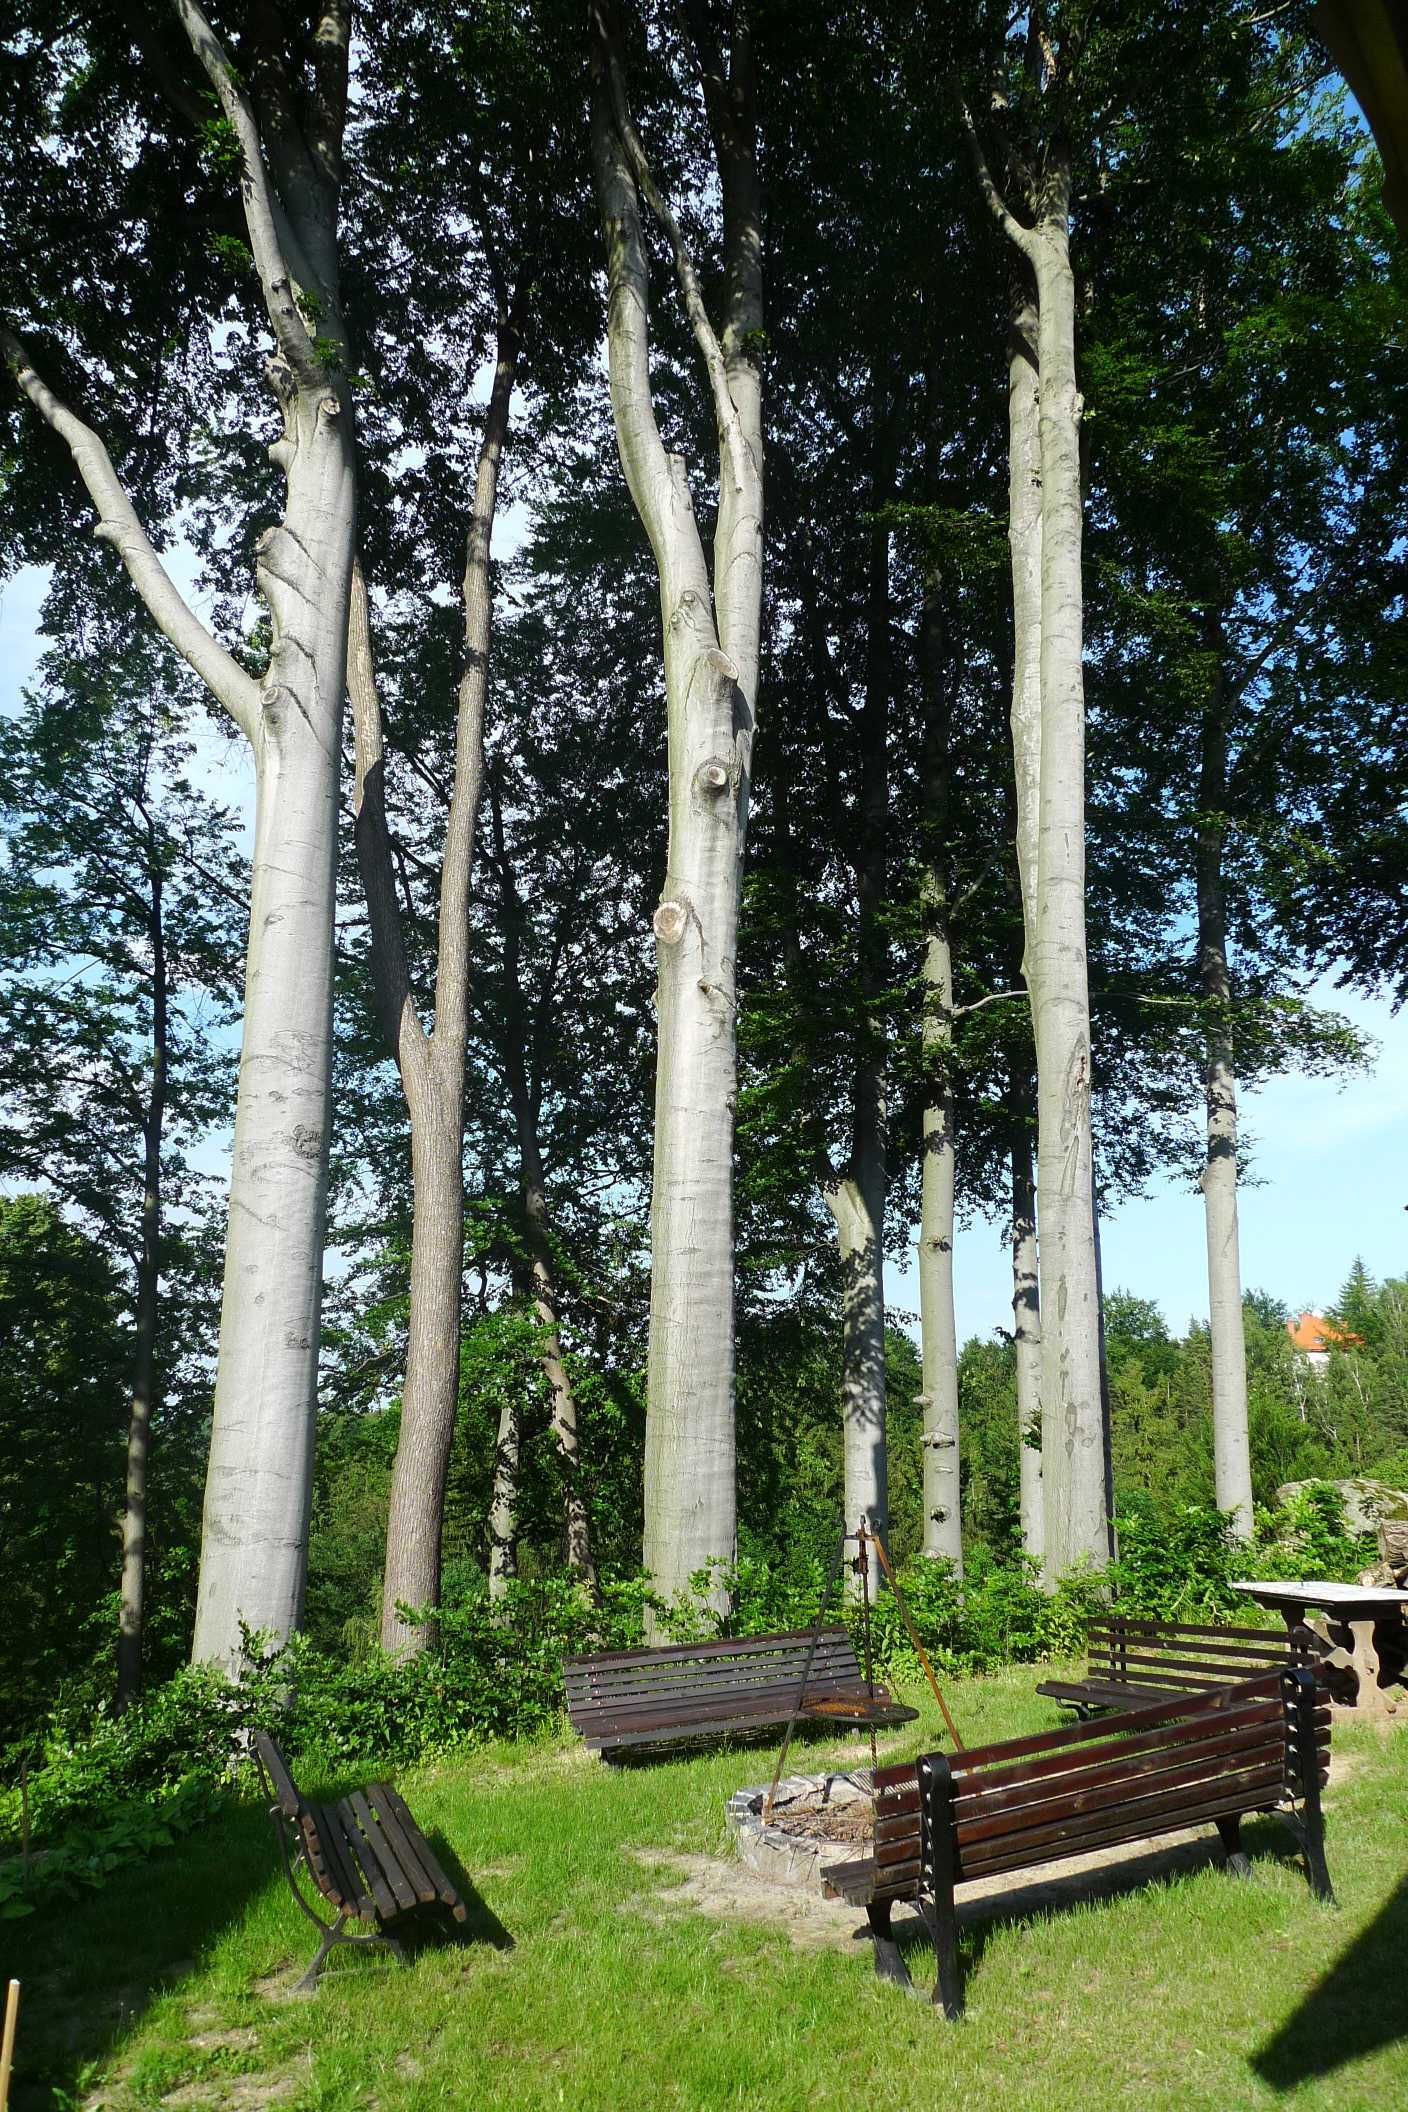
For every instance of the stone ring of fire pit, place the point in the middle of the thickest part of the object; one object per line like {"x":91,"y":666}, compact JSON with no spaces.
{"x":816,"y":1820}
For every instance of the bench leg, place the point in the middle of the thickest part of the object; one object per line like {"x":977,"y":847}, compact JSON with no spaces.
{"x":1231,"y":1833}
{"x":336,"y":1933}
{"x":937,"y":1851}
{"x":888,"y":1962}
{"x":942,"y":1918}
{"x":1303,"y":1771}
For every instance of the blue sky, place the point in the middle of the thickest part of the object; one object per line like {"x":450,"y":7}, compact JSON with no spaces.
{"x":1329,"y":1167}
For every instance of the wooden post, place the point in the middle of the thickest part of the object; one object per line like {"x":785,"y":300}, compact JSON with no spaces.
{"x":7,"y":2042}
{"x":1303,"y":1769}
{"x":937,"y":1864}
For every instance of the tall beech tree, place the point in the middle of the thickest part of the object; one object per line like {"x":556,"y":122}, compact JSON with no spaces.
{"x":711,"y":648}
{"x":1039,"y":176}
{"x":281,"y":91}
{"x":500,"y":179}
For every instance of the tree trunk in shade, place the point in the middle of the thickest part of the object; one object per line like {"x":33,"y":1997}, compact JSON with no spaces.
{"x":131,"y":1604}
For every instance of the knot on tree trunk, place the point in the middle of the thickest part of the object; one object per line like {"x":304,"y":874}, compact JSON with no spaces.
{"x":712,"y":777}
{"x":669,"y":922}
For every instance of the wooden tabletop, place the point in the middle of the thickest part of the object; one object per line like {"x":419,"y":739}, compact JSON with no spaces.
{"x":1355,"y":1600}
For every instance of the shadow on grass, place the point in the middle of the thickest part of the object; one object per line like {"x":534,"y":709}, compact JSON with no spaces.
{"x":1358,"y":2006}
{"x":1055,"y":1887}
{"x":482,"y":1924}
{"x":91,"y":1966}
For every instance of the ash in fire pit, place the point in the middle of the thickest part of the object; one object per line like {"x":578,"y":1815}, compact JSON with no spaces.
{"x":816,"y":1820}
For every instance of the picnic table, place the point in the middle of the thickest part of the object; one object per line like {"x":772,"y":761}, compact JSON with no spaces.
{"x":1366,"y":1629}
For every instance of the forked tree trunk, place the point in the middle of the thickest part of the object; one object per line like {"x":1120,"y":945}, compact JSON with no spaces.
{"x":1231,"y":1445}
{"x":711,"y":642}
{"x":943,"y":1529}
{"x":259,"y":1481}
{"x":260,"y":1476}
{"x":1026,"y":1337}
{"x":1074,"y":1448}
{"x":131,"y":1602}
{"x":432,"y":1065}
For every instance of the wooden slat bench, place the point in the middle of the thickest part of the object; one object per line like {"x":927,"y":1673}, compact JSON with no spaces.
{"x":1130,"y":1661}
{"x":702,"y":1690}
{"x":947,"y":1819}
{"x":365,"y":1854}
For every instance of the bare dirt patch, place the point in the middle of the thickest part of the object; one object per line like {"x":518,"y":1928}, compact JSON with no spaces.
{"x":238,"y":2039}
{"x":726,"y":1890}
{"x":236,"y":2093}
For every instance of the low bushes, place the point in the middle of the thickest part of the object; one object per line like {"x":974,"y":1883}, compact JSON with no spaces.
{"x":101,"y":1790}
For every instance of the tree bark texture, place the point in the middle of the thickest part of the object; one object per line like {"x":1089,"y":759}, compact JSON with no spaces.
{"x":1026,"y":1337}
{"x":503,"y":1502}
{"x":1024,"y":541}
{"x":1074,"y":1445}
{"x":943,"y":1531}
{"x":259,"y":1479}
{"x":131,"y":1597}
{"x":711,"y":643}
{"x":1073,"y":1438}
{"x":1231,"y":1444}
{"x":432,"y":1064}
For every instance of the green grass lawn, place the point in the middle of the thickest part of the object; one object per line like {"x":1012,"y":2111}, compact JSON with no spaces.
{"x":1193,"y":1990}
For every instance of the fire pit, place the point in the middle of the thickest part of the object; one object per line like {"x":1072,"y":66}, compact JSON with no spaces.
{"x":816,"y":1820}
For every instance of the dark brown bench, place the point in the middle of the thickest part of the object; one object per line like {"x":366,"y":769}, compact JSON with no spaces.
{"x":703,"y":1690}
{"x":947,"y":1819}
{"x":1129,"y":1661}
{"x":365,"y":1854}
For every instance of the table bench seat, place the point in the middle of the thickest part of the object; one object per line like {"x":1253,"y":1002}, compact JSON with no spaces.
{"x":1131,"y":1660}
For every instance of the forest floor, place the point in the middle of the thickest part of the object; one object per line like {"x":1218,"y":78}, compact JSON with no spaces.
{"x":618,"y":1957}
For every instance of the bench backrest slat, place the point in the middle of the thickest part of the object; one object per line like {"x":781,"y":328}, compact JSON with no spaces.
{"x":1097,"y":1785}
{"x":632,"y":1696}
{"x":281,"y":1782}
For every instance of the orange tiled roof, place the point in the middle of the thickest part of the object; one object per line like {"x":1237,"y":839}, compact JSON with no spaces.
{"x":1313,"y":1335}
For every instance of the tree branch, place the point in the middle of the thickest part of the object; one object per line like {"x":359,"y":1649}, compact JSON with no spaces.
{"x":730,"y":431}
{"x":118,"y":524}
{"x":264,"y":215}
{"x":1023,"y":237}
{"x":391,"y":976}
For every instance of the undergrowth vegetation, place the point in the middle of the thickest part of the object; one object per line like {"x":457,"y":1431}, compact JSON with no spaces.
{"x":93,"y":1791}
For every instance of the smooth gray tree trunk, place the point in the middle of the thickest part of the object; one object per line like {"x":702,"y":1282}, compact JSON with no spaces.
{"x":259,"y":1479}
{"x":1073,"y":1430}
{"x":432,"y":1064}
{"x":1026,"y":1337}
{"x":857,"y":1206}
{"x":711,"y":646}
{"x":943,"y":1529}
{"x":1074,"y":1436}
{"x":1231,"y":1443}
{"x":1025,"y":544}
